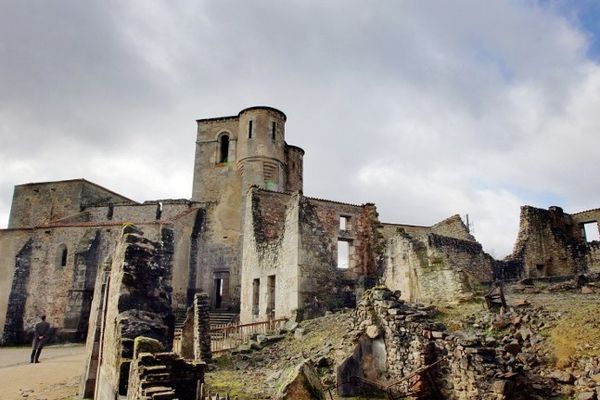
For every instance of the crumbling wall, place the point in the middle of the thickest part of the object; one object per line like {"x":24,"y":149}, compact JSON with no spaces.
{"x":158,"y":375}
{"x":270,"y":256}
{"x":435,"y":268}
{"x":290,"y":248}
{"x":325,"y":285}
{"x":138,"y":304}
{"x":549,"y":243}
{"x":400,"y":348}
{"x":453,"y":227}
{"x":585,"y":217}
{"x":79,"y":300}
{"x":14,"y":331}
{"x":36,"y":204}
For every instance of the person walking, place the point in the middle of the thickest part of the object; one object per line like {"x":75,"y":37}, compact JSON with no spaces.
{"x":40,"y":336}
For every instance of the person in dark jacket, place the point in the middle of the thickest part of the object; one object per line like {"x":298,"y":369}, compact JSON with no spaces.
{"x":40,"y":337}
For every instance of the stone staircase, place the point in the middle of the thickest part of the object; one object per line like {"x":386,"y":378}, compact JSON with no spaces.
{"x":217,"y":318}
{"x":223,"y":318}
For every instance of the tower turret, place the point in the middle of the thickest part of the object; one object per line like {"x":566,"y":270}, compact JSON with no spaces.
{"x":261,"y":148}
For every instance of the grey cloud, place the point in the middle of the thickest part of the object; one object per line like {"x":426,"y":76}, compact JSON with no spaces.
{"x":427,"y":97}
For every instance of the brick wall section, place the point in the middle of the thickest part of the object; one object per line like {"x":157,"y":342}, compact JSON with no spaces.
{"x":582,"y":218}
{"x":139,"y":304}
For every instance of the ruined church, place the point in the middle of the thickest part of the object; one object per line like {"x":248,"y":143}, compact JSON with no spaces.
{"x":250,"y":239}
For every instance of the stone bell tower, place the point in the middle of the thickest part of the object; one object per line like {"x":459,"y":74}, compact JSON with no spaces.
{"x":232,"y":154}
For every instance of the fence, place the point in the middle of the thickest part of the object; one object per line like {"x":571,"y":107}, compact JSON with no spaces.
{"x":229,"y":337}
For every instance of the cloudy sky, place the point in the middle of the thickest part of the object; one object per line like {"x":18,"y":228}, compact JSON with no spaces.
{"x":427,"y":108}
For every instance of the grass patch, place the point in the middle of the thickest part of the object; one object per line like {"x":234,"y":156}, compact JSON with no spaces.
{"x":228,"y":381}
{"x":576,"y":335}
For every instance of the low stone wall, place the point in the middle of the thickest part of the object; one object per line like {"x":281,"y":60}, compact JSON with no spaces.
{"x":165,"y":376}
{"x":400,"y":348}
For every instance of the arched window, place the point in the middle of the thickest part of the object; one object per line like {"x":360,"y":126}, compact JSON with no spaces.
{"x":61,"y":255}
{"x":223,"y":148}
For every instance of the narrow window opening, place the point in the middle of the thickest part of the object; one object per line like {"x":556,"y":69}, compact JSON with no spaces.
{"x":159,"y":210}
{"x":273,"y":130}
{"x":255,"y":296}
{"x":61,"y":255}
{"x":343,"y":254}
{"x":224,"y":149}
{"x":344,"y":222}
{"x":111,"y":210}
{"x":590,"y":230}
{"x":250,"y":129}
{"x":271,"y":296}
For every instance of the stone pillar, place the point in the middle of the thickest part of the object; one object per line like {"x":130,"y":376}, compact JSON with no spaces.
{"x":202,"y":348}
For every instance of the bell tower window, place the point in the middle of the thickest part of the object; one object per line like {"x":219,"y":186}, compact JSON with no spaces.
{"x":223,"y":149}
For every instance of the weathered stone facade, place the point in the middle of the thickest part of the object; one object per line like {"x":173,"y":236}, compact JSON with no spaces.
{"x":439,"y":263}
{"x":290,"y":254}
{"x":137,"y":302}
{"x":553,"y":243}
{"x":252,"y":241}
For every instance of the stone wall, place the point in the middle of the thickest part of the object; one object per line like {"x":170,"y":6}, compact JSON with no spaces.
{"x":549,"y":243}
{"x":325,"y":285}
{"x":37,"y":204}
{"x":584,"y":217}
{"x":138,"y":304}
{"x":165,"y":376}
{"x":14,"y":331}
{"x":270,"y":256}
{"x":290,"y":254}
{"x":62,"y":288}
{"x":452,"y":227}
{"x":401,"y":348}
{"x":433,"y":268}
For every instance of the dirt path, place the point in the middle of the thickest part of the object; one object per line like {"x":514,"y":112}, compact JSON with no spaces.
{"x":56,"y":377}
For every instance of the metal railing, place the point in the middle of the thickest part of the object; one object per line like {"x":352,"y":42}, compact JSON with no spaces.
{"x":229,"y":337}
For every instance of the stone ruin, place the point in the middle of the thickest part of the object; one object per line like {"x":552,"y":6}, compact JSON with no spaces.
{"x":132,"y":327}
{"x":402,"y":351}
{"x":299,"y":258}
{"x":256,"y":245}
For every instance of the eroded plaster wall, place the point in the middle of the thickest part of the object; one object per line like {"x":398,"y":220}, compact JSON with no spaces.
{"x":270,"y":256}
